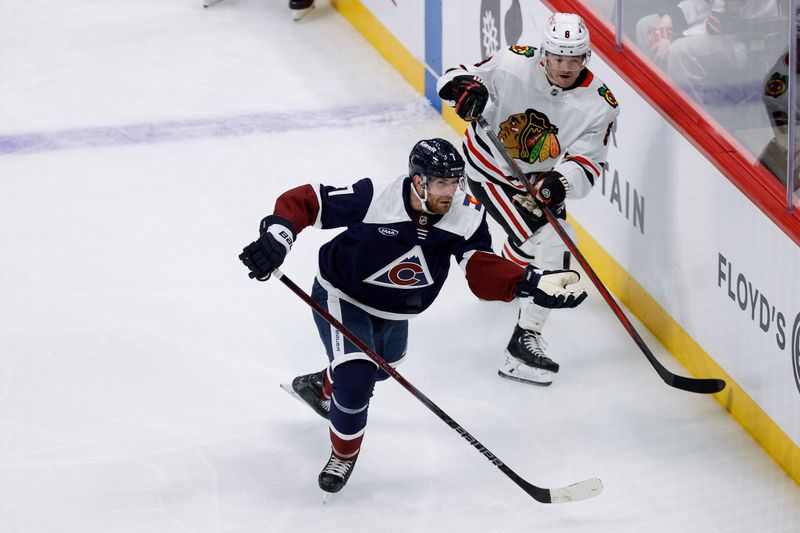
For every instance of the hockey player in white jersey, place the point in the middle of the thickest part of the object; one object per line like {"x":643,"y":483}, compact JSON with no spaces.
{"x":776,"y":101}
{"x":554,"y":117}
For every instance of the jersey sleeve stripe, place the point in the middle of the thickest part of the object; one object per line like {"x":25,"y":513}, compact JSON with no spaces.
{"x":584,"y":163}
{"x":498,"y":174}
{"x":318,"y":220}
{"x":475,"y":166}
{"x":508,"y":254}
{"x":508,"y":211}
{"x":465,"y":259}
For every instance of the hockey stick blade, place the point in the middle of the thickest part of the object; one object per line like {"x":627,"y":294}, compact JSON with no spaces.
{"x":578,"y":491}
{"x":582,"y":490}
{"x":698,"y":385}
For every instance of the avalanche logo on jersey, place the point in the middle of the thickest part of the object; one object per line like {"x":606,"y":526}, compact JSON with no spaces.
{"x":409,"y":271}
{"x":530,"y":136}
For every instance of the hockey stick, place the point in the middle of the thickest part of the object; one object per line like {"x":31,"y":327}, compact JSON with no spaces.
{"x":702,"y":385}
{"x":578,"y":491}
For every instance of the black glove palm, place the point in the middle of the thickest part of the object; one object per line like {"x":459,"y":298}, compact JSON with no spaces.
{"x":470,"y":95}
{"x":268,"y":252}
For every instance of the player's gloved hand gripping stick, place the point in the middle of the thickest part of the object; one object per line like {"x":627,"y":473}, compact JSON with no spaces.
{"x":268,"y":252}
{"x":703,"y":386}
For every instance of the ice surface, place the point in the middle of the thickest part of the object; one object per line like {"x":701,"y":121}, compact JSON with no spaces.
{"x":140,"y":144}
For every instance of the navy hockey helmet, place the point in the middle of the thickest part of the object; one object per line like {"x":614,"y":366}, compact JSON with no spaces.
{"x":435,"y":158}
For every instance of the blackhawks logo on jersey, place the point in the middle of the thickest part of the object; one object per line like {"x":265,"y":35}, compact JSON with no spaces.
{"x":530,"y":136}
{"x":527,"y":51}
{"x":606,"y":93}
{"x":776,"y":85}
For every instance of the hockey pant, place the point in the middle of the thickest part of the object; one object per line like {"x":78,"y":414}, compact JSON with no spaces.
{"x":351,"y":371}
{"x":530,"y":240}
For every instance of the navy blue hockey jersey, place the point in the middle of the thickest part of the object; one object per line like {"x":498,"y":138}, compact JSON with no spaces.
{"x":392,"y":260}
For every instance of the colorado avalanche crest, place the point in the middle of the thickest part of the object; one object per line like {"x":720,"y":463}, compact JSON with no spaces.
{"x":409,"y":271}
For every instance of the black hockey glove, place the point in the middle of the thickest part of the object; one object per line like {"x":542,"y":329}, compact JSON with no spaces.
{"x":268,"y":252}
{"x":551,"y":187}
{"x":470,"y":95}
{"x":548,"y":288}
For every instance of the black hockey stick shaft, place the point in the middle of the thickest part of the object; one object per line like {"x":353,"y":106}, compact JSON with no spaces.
{"x":702,"y":385}
{"x":582,"y":490}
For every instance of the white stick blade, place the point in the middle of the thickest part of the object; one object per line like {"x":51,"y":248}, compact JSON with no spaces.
{"x":579,"y":491}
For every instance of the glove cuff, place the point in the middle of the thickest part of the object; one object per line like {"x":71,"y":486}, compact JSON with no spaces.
{"x":269,"y":220}
{"x":280,"y":229}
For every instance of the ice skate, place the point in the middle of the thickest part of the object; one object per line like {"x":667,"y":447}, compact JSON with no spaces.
{"x":300,"y":8}
{"x":308,"y":389}
{"x":336,"y":473}
{"x":526,"y":360}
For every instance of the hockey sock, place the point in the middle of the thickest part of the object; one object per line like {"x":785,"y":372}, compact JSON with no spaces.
{"x":353,"y":384}
{"x":327,"y":385}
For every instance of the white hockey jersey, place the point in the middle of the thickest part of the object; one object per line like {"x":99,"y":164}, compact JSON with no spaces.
{"x":776,"y":98}
{"x":541,"y":125}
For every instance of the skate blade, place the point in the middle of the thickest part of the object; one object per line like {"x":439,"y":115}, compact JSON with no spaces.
{"x":526,"y":381}
{"x":298,"y":14}
{"x":326,"y":496}
{"x":288,"y":388}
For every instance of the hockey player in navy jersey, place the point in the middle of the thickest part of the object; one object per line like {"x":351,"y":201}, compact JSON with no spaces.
{"x":554,"y":117}
{"x":386,"y":267}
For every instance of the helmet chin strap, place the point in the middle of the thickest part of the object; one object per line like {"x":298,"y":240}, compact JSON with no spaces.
{"x":422,"y":201}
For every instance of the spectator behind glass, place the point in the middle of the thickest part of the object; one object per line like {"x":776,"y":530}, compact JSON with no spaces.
{"x":776,"y":101}
{"x":703,"y":44}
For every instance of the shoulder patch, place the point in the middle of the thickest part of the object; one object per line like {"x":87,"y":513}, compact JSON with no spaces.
{"x":776,"y":85}
{"x":527,"y":51}
{"x":607,"y":95}
{"x":470,"y":201}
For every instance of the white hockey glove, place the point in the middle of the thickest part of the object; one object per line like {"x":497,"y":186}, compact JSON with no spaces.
{"x":525,"y":201}
{"x":548,"y":288}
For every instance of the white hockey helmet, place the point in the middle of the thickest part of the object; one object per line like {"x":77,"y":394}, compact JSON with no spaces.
{"x":566,"y":35}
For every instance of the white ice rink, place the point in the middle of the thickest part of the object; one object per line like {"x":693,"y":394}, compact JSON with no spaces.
{"x":141,"y":142}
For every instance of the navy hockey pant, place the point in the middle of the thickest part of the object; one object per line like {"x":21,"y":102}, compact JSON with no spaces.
{"x":352,"y":372}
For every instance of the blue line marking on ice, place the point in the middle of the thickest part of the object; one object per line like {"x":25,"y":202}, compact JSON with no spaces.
{"x":433,"y":50}
{"x":205,"y":128}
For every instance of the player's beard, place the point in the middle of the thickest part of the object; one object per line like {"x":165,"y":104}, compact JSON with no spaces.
{"x":439,"y":205}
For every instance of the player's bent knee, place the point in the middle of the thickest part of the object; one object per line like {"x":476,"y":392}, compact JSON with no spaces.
{"x":353,"y":383}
